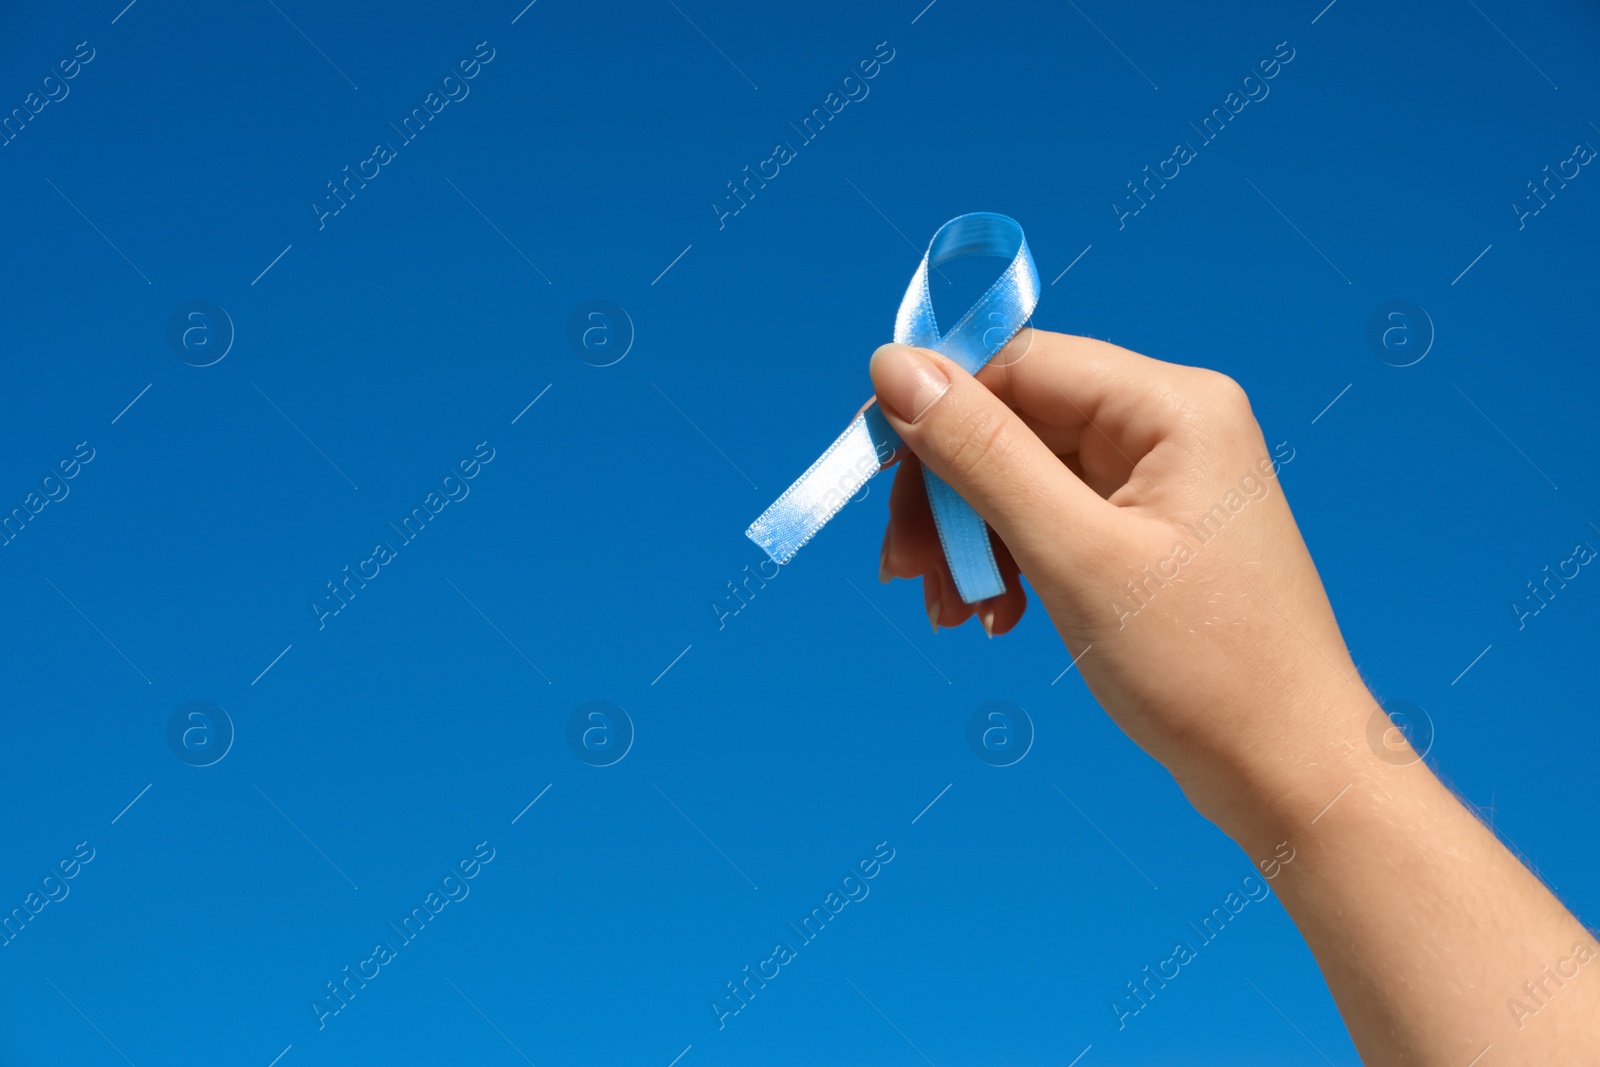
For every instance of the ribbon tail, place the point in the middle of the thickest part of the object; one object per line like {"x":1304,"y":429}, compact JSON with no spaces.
{"x":965,"y":539}
{"x":818,"y":494}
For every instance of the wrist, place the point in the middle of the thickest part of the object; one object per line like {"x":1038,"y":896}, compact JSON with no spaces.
{"x":1303,"y":761}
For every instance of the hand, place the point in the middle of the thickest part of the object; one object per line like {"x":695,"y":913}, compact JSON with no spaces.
{"x":1142,"y":503}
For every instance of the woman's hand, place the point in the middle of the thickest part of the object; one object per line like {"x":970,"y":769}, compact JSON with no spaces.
{"x":1141,"y":501}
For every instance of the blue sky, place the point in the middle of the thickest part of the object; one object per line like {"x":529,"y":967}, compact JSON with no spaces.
{"x":560,"y":156}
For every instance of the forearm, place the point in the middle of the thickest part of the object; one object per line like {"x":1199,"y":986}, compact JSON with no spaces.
{"x":1425,"y":926}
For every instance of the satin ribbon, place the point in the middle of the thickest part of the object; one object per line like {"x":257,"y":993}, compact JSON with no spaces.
{"x":869,"y":443}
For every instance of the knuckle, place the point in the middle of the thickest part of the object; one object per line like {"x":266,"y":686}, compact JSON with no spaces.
{"x":1229,"y":396}
{"x":1213,"y":400}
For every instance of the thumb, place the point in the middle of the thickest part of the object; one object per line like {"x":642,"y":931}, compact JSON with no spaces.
{"x":978,"y":445}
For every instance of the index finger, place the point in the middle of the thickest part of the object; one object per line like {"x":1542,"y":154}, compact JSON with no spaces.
{"x":1102,"y":408}
{"x":1061,"y":380}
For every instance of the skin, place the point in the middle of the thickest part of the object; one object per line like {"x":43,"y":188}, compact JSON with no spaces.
{"x":1087,"y":460}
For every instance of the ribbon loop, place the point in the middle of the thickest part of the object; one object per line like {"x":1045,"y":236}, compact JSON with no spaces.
{"x":869,"y":441}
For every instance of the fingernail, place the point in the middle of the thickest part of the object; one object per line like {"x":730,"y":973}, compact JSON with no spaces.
{"x":907,"y":382}
{"x":933,"y":613}
{"x":883,"y":564}
{"x":986,"y":617}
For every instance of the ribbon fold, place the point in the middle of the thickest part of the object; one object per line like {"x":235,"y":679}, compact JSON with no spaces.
{"x":869,"y":442}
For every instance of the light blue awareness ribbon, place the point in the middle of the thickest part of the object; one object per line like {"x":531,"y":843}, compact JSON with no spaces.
{"x":868,"y":443}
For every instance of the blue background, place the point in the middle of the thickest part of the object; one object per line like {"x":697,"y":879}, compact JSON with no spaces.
{"x":377,"y":351}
